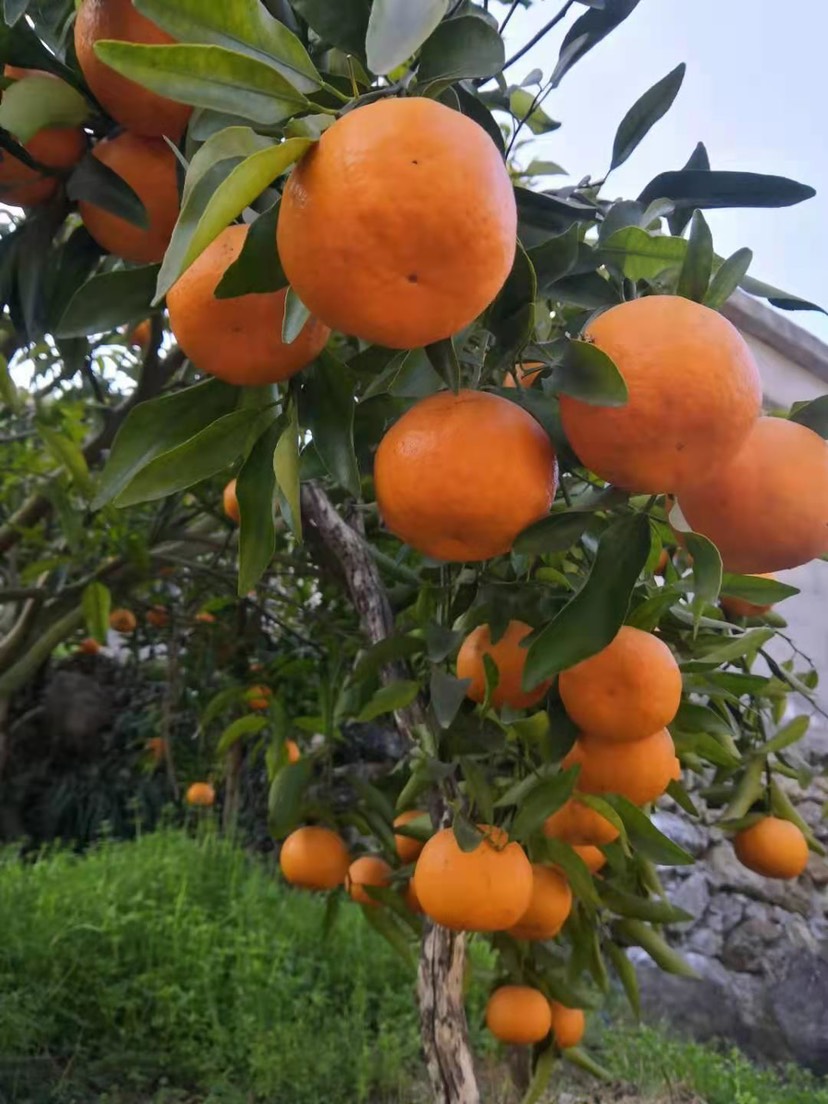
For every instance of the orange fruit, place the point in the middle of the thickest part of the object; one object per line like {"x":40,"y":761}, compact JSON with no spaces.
{"x":628,"y":690}
{"x":55,"y":147}
{"x":370,"y":870}
{"x":130,"y":104}
{"x":123,"y":621}
{"x":772,"y":847}
{"x":408,"y":848}
{"x":767,"y":509}
{"x":411,"y":899}
{"x":314,"y":858}
{"x":592,"y":856}
{"x":157,"y":748}
{"x":148,"y":165}
{"x":231,"y":502}
{"x":90,"y":646}
{"x":158,"y":617}
{"x":663,"y":560}
{"x":510,"y":659}
{"x":239,"y":340}
{"x":141,"y":334}
{"x":549,"y":906}
{"x":293,"y":752}
{"x":578,"y":825}
{"x":640,"y":770}
{"x":399,"y":225}
{"x":528,"y":374}
{"x":694,"y":394}
{"x":204,"y":617}
{"x":487,"y":889}
{"x":459,"y":476}
{"x":200,"y":794}
{"x":740,"y":607}
{"x":258,"y":697}
{"x":568,"y":1025}
{"x":518,"y":1015}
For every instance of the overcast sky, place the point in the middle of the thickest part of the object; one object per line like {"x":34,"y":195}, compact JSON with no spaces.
{"x":754,"y":93}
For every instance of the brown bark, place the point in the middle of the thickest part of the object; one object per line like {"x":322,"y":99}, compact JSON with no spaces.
{"x":444,"y":1030}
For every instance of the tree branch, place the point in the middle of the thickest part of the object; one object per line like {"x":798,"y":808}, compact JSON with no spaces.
{"x":535,"y":39}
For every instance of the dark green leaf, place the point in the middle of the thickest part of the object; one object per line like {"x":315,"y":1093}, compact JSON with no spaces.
{"x":396,"y":695}
{"x":753,"y":588}
{"x":523,"y":105}
{"x":555,"y":533}
{"x":729,"y":275}
{"x":588,"y":291}
{"x":653,"y":909}
{"x":331,"y":406}
{"x":591,"y":620}
{"x":96,"y":183}
{"x":478,"y":790}
{"x":440,"y":641}
{"x":544,"y":799}
{"x":641,"y":935}
{"x":396,"y":28}
{"x":344,"y":24}
{"x":237,"y":730}
{"x":646,"y":838}
{"x":468,"y":835}
{"x":463,"y":47}
{"x":588,"y":31}
{"x":789,"y":734}
{"x":682,"y":798}
{"x":96,"y":602}
{"x":286,"y":797}
{"x":697,"y":188}
{"x":109,"y":300}
{"x":257,"y":270}
{"x":776,"y":297}
{"x":69,"y":455}
{"x":588,"y":373}
{"x":443,"y":358}
{"x":256,"y":492}
{"x":698,"y":262}
{"x":296,"y":316}
{"x":470,"y":105}
{"x":551,"y":213}
{"x":814,"y":415}
{"x":707,"y":571}
{"x":286,"y":470}
{"x":626,"y":975}
{"x":447,"y":695}
{"x":643,"y":256}
{"x":576,"y":871}
{"x":13,"y":10}
{"x":511,"y":316}
{"x":384,"y":652}
{"x":644,"y":113}
{"x":157,"y":426}
{"x":393,"y":931}
{"x":555,"y":258}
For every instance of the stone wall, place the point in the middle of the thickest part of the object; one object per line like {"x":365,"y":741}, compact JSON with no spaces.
{"x":759,"y":946}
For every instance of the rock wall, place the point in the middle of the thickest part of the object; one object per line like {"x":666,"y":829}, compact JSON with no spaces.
{"x":759,"y":946}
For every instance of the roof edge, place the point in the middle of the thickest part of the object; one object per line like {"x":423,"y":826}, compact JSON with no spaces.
{"x":774,"y":329}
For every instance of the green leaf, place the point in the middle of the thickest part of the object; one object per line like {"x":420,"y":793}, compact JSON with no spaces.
{"x":578,"y":1057}
{"x":587,"y":31}
{"x":523,"y":108}
{"x":330,"y":418}
{"x":626,"y":975}
{"x":243,"y":25}
{"x":478,"y":790}
{"x":752,"y":588}
{"x":257,"y":270}
{"x":344,"y":24}
{"x":789,"y":734}
{"x":385,"y":651}
{"x":394,"y":931}
{"x":643,"y":256}
{"x":388,"y":699}
{"x":588,"y":373}
{"x":682,"y":798}
{"x":653,"y":909}
{"x":646,"y":838}
{"x":14,"y":10}
{"x":68,"y":455}
{"x":698,"y":262}
{"x":8,"y":388}
{"x":207,"y":210}
{"x":207,"y":76}
{"x":440,"y":641}
{"x":38,"y":101}
{"x":443,"y":358}
{"x":591,"y":620}
{"x":109,"y":300}
{"x":544,"y":799}
{"x":256,"y":492}
{"x":707,"y":571}
{"x":286,"y":470}
{"x":295,"y":317}
{"x":244,"y":726}
{"x":813,"y":414}
{"x":644,"y":113}
{"x":555,"y":258}
{"x":708,"y":190}
{"x":396,"y":28}
{"x":641,"y":935}
{"x":776,"y":297}
{"x":156,"y":427}
{"x":468,"y":835}
{"x":447,"y":695}
{"x":212,"y":450}
{"x":576,"y":871}
{"x":555,"y":533}
{"x":96,"y":603}
{"x":462,"y":47}
{"x":286,"y":797}
{"x":511,"y":317}
{"x":96,"y":183}
{"x":728,"y":277}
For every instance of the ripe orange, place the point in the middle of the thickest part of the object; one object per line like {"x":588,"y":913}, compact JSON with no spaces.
{"x":204,"y":617}
{"x":640,"y":770}
{"x":518,"y":1014}
{"x":258,"y":697}
{"x":130,"y":104}
{"x":157,"y":748}
{"x":628,"y":690}
{"x":407,"y":848}
{"x":578,"y":825}
{"x":510,"y":659}
{"x":528,"y":374}
{"x":293,"y":752}
{"x":239,"y":340}
{"x":123,"y":621}
{"x":411,"y":899}
{"x":459,"y":476}
{"x":663,"y":560}
{"x":158,"y":617}
{"x":487,"y":889}
{"x":56,"y":148}
{"x":772,"y":847}
{"x":148,"y":165}
{"x":550,"y":904}
{"x":768,"y":508}
{"x":231,"y":502}
{"x":314,"y":858}
{"x":592,"y":856}
{"x":140,"y":335}
{"x":694,"y":394}
{"x":568,"y":1024}
{"x":200,"y":794}
{"x":90,"y":646}
{"x":740,"y":607}
{"x":370,"y":870}
{"x":399,"y":225}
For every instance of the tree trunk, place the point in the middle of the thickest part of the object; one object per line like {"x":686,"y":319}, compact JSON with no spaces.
{"x":444,"y":1030}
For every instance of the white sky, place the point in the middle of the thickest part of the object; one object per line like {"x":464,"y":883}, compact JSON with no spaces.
{"x":754,"y":93}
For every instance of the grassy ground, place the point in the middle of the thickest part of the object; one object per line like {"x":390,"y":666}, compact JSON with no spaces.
{"x":175,"y":971}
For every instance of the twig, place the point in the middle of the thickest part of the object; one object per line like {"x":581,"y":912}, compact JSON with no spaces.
{"x":553,"y":22}
{"x":508,"y":16}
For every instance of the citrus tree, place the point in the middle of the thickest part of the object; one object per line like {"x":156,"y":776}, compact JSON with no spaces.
{"x":506,"y":420}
